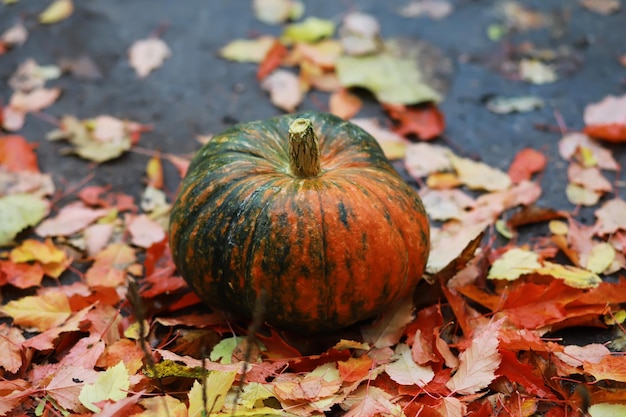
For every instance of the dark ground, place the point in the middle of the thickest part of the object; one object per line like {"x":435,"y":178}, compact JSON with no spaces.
{"x":196,"y":92}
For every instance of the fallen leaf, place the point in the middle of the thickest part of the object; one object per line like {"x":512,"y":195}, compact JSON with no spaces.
{"x":426,"y":122}
{"x":513,"y":264}
{"x":19,"y":211}
{"x":146,"y":55}
{"x":360,"y":34}
{"x":355,"y":369}
{"x":144,"y":231}
{"x":36,"y":250}
{"x":387,"y":330}
{"x":112,"y":384}
{"x":164,"y":405}
{"x":520,"y":17}
{"x":571,"y":276}
{"x":405,"y":371}
{"x":607,"y":410}
{"x":589,"y":152}
{"x":391,"y":76}
{"x":435,"y":9}
{"x":478,"y":363}
{"x":536,"y":72}
{"x":109,"y":267}
{"x":70,"y":219}
{"x":272,"y":59}
{"x":478,"y":175}
{"x":66,"y":384}
{"x":603,"y":7}
{"x":57,"y":11}
{"x":423,"y":159}
{"x":39,"y":312}
{"x":577,"y":355}
{"x":527,"y":162}
{"x":611,"y":217}
{"x":579,"y":195}
{"x":11,"y":339}
{"x":216,"y":385}
{"x":521,"y":104}
{"x":274,"y":12}
{"x":16,"y":154}
{"x":394,"y":146}
{"x":344,"y":104}
{"x":589,"y":178}
{"x":310,"y":30}
{"x":370,"y":401}
{"x":35,"y":100}
{"x":452,"y":407}
{"x":446,"y":204}
{"x":285,"y":90}
{"x":82,"y":67}
{"x":15,"y":35}
{"x":248,"y":50}
{"x":606,"y":119}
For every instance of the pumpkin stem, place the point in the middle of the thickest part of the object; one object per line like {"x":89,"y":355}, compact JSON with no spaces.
{"x":304,"y":150}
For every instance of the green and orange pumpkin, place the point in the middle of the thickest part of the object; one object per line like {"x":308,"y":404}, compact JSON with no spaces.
{"x":305,"y":208}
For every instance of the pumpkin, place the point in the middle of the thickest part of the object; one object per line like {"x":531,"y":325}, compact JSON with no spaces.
{"x":305,"y":209}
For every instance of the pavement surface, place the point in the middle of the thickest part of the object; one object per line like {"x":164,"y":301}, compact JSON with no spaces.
{"x":196,"y":92}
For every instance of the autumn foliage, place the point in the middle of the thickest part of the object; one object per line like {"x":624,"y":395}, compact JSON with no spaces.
{"x":95,"y":319}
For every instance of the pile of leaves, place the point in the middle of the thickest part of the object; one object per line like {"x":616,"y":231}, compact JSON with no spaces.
{"x":97,"y":320}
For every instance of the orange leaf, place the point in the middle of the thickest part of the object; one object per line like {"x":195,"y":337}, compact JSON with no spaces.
{"x":16,"y":154}
{"x":39,"y":312}
{"x":527,"y":162}
{"x":11,"y":339}
{"x":344,"y":104}
{"x":611,"y":132}
{"x":125,"y":350}
{"x":109,"y":268}
{"x":426,"y":122}
{"x":272,"y":60}
{"x":21,"y":275}
{"x":355,"y":369}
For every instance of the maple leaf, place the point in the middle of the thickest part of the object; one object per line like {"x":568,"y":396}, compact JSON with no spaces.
{"x":45,"y":340}
{"x":11,"y":340}
{"x":388,"y":329}
{"x":21,"y":275}
{"x":36,"y":250}
{"x":216,"y":386}
{"x":405,"y":371}
{"x":478,"y":363}
{"x":111,"y":384}
{"x":146,"y":55}
{"x":39,"y":312}
{"x":85,"y":353}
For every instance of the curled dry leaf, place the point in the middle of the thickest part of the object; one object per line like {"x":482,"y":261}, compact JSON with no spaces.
{"x":284,"y":88}
{"x":146,"y":55}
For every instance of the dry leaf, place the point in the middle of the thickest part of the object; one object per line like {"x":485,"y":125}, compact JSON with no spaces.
{"x":35,"y":100}
{"x":603,"y":7}
{"x":344,"y":104}
{"x":360,"y":34}
{"x":15,"y":35}
{"x":536,"y":72}
{"x":513,"y":264}
{"x":39,"y":312}
{"x":394,"y":146}
{"x":611,"y":217}
{"x":405,"y":371}
{"x":248,"y":50}
{"x":478,"y":175}
{"x":285,"y":90}
{"x":146,"y":55}
{"x":387,"y":330}
{"x":435,"y":9}
{"x":478,"y":363}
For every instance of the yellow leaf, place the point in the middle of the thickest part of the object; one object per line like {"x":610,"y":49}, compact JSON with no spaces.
{"x":478,"y":175}
{"x":39,"y":312}
{"x":132,"y":332}
{"x":601,"y":257}
{"x":111,"y":384}
{"x":35,"y":250}
{"x":571,"y":275}
{"x":579,"y":195}
{"x":558,"y":227}
{"x":513,"y":264}
{"x":162,"y":406}
{"x":253,"y":394}
{"x":57,"y":11}
{"x":217,"y":385}
{"x":607,"y":410}
{"x":248,"y":50}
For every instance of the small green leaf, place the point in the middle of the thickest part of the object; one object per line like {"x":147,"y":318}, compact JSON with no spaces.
{"x":310,"y":30}
{"x":17,"y":212}
{"x":223,"y":351}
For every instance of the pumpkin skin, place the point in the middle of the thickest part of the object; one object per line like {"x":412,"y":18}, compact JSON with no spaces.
{"x":329,"y":250}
